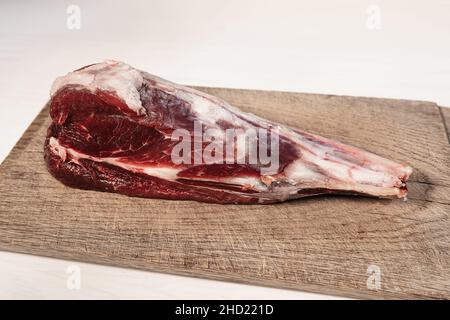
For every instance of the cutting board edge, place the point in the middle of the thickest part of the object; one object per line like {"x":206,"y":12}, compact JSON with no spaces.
{"x":26,"y":136}
{"x":427,"y":103}
{"x":445,"y":115}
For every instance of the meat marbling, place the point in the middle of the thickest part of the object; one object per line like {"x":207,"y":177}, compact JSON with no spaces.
{"x":113,"y":130}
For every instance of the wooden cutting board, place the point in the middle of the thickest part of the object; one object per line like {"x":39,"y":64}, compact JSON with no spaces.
{"x":326,"y":244}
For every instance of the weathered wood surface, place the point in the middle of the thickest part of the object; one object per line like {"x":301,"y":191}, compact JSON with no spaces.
{"x":323,"y":244}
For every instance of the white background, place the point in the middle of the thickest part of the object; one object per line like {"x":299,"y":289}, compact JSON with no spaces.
{"x":308,"y":46}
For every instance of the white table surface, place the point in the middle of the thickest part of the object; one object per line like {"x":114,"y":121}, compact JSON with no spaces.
{"x":397,"y":49}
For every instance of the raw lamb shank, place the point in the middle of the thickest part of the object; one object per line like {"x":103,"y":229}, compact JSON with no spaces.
{"x":118,"y":129}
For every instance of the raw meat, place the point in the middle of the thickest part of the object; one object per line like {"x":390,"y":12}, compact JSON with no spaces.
{"x":118,"y":129}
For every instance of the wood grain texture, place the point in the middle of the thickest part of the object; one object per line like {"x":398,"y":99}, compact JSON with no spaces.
{"x":323,"y":244}
{"x":445,"y":112}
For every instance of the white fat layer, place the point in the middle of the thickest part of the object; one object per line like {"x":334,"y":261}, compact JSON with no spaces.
{"x":252,"y":182}
{"x":298,"y":172}
{"x":372,"y":162}
{"x":207,"y":108}
{"x":166,"y":173}
{"x":111,"y":76}
{"x":375,"y":171}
